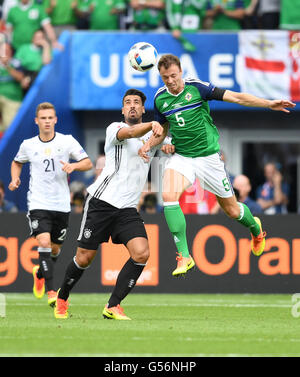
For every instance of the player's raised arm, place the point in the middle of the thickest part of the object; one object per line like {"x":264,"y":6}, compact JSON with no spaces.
{"x":250,"y":100}
{"x":16,"y":169}
{"x":139,"y":130}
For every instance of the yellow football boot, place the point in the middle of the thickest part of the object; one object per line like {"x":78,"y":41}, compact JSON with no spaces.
{"x":38,"y":284}
{"x":183,"y":265}
{"x":115,"y":312}
{"x":258,"y":243}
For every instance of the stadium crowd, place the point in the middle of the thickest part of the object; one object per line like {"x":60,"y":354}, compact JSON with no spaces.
{"x":30,"y":30}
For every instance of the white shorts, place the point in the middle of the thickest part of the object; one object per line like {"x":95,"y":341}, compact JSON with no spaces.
{"x":210,"y":171}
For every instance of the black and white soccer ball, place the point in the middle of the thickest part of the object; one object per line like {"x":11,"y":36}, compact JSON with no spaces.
{"x":142,"y":56}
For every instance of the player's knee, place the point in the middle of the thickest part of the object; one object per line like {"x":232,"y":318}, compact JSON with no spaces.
{"x":169,"y":196}
{"x":44,"y":243}
{"x":142,"y":254}
{"x":84,"y":259}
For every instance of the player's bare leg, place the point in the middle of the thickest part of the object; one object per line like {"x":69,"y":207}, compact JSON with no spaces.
{"x":241,"y":213}
{"x":174,"y":184}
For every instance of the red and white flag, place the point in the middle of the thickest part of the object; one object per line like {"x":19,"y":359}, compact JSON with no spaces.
{"x":269,"y":64}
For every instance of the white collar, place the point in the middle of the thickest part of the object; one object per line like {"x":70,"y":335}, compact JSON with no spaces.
{"x":25,"y":6}
{"x":176,"y":95}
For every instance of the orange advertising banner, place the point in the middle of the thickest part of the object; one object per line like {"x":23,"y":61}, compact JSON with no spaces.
{"x":113,"y":257}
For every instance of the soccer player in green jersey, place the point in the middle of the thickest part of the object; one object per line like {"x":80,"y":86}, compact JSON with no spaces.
{"x":182,"y":107}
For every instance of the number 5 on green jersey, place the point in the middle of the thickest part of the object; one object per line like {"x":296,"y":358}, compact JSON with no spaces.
{"x":179,"y":119}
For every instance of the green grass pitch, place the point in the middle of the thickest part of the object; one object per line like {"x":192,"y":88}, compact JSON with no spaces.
{"x":163,"y":325}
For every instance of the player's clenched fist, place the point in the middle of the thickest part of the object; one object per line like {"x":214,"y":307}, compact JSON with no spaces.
{"x":157,"y":129}
{"x":14,"y":184}
{"x":168,"y":149}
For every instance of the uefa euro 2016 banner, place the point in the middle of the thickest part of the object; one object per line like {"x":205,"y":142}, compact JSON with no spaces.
{"x":264,"y":63}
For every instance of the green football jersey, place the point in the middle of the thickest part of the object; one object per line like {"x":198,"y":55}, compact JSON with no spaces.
{"x":290,"y":14}
{"x":30,"y":57}
{"x":9,"y":87}
{"x":62,"y":13}
{"x":102,"y":18}
{"x":190,"y":124}
{"x":25,"y":21}
{"x":186,"y":15}
{"x":223,"y":22}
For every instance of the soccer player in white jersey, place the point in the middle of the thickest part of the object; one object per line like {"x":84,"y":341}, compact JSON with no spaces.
{"x":48,"y":197}
{"x":110,"y":207}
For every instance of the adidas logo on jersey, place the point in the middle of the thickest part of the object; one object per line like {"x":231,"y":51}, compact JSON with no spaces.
{"x":165,"y":105}
{"x":176,"y":239}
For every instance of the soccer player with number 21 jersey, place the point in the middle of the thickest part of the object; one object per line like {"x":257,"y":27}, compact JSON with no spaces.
{"x":49,"y":196}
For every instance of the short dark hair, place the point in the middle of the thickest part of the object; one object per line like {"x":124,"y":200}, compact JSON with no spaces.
{"x":135,"y":92}
{"x":167,"y":60}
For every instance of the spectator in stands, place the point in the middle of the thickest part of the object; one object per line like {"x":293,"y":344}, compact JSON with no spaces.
{"x":269,"y":14}
{"x":148,"y":14}
{"x":273,"y":194}
{"x":32,"y":57}
{"x":149,"y":189}
{"x":83,"y":10}
{"x":242,"y":186}
{"x":7,"y":4}
{"x":250,"y":20}
{"x":150,"y":204}
{"x":10,"y":89}
{"x":5,"y":205}
{"x":61,"y":13}
{"x":77,"y":202}
{"x":105,"y":15}
{"x":77,"y":195}
{"x":185,"y":17}
{"x":290,"y":14}
{"x":226,"y":15}
{"x":24,"y":19}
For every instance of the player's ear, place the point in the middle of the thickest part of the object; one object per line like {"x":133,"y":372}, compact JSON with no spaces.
{"x":144,"y":110}
{"x":35,"y":119}
{"x":123,"y":110}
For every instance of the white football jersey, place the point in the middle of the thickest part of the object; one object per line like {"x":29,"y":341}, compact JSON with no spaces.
{"x":125,"y":172}
{"x":48,"y":184}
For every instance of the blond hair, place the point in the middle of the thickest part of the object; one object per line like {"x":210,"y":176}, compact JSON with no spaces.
{"x":44,"y":106}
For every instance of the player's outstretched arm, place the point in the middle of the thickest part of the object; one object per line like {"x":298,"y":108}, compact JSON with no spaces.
{"x":139,"y":130}
{"x":15,"y":170}
{"x":250,"y":100}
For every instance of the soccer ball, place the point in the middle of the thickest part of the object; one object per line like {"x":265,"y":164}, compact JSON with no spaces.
{"x":142,"y":56}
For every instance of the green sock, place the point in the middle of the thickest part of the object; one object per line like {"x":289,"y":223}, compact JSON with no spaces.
{"x":177,"y":226}
{"x":246,"y":218}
